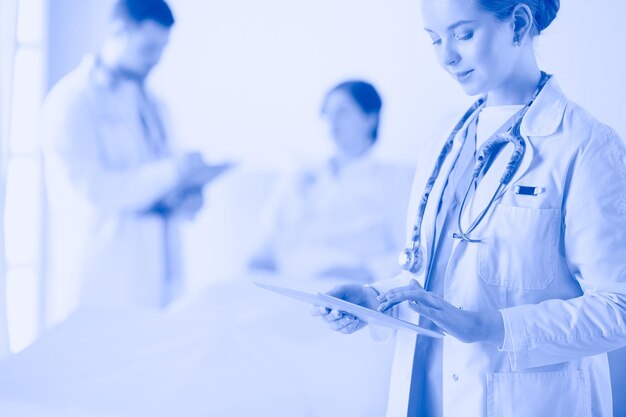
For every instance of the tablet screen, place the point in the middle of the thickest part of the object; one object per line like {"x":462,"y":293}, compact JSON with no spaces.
{"x":365,"y":314}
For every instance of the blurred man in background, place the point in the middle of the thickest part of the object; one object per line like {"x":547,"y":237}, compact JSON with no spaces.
{"x":105,"y":142}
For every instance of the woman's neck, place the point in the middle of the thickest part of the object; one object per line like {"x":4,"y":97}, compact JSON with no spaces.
{"x":519,"y":87}
{"x":341,"y":160}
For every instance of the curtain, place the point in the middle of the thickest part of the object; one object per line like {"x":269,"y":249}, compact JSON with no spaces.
{"x":8,"y":25}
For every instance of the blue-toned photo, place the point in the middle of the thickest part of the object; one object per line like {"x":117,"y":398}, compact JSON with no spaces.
{"x":322,"y":208}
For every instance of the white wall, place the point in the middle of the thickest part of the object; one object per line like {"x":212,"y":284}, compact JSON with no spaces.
{"x":256,"y":72}
{"x":75,"y":27}
{"x":245,"y":78}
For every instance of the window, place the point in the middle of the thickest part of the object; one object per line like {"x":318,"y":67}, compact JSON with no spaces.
{"x":23,"y":204}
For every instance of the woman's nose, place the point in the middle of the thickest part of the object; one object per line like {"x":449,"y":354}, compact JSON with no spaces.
{"x":449,"y":55}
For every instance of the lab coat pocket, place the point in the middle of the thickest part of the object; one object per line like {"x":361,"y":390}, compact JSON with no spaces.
{"x":538,"y":394}
{"x":519,"y":247}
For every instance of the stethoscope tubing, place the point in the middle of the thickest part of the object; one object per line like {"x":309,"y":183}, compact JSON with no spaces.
{"x":433,"y":176}
{"x":511,"y":132}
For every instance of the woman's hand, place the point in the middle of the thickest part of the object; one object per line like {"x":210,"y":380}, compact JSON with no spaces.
{"x":467,"y":326}
{"x":354,"y":293}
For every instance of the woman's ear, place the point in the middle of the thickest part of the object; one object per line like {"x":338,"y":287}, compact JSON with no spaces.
{"x":522,"y":22}
{"x":373,"y":120}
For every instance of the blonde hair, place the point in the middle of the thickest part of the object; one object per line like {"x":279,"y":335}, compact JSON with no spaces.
{"x":543,"y":11}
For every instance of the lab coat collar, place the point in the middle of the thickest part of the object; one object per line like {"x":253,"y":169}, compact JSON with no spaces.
{"x":100,"y":76}
{"x":105,"y":77}
{"x":542,"y":119}
{"x":545,"y":115}
{"x":436,"y":194}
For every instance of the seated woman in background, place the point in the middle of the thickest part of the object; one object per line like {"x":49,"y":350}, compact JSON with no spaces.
{"x":344,"y":218}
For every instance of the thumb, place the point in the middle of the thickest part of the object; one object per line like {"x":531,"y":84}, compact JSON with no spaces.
{"x":414,"y":283}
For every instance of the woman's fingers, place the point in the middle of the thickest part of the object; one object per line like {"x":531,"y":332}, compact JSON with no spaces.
{"x":337,"y":320}
{"x":409,"y":293}
{"x":466,"y":326}
{"x":413,"y":286}
{"x":351,"y":328}
{"x":451,"y":320}
{"x":342,"y":323}
{"x":319,"y":311}
{"x":432,"y":313}
{"x":386,"y":305}
{"x":332,"y":315}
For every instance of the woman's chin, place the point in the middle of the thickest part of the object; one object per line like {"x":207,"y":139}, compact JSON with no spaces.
{"x":471,"y":89}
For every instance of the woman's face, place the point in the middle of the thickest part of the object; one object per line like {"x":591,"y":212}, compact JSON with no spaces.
{"x":350,"y":128}
{"x":472,"y":45}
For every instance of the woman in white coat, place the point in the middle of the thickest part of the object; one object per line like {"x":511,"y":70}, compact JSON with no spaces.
{"x":517,"y":254}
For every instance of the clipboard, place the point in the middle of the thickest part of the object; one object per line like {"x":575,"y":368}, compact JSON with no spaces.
{"x":363,"y":313}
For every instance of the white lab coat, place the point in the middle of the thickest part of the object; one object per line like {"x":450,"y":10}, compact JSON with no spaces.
{"x":100,"y":167}
{"x":553,"y":264}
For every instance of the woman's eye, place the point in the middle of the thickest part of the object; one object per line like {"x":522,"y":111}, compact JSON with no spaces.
{"x":464,"y":37}
{"x":436,"y":41}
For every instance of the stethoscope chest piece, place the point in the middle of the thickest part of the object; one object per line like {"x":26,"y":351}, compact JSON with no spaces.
{"x":412,"y":259}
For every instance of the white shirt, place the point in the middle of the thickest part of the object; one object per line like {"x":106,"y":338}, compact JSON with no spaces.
{"x":428,"y":369}
{"x":324,"y":218}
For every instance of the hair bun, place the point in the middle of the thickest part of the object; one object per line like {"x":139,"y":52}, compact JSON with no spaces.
{"x":545,"y":13}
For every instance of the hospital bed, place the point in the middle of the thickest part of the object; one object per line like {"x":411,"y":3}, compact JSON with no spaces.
{"x":234,"y":351}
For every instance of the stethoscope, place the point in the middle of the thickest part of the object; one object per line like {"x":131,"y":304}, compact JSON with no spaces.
{"x":412,"y":258}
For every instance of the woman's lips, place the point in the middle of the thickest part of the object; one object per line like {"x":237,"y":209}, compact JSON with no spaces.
{"x":463,"y":75}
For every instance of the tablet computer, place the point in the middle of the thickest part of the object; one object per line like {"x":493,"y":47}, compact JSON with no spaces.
{"x":363,"y":313}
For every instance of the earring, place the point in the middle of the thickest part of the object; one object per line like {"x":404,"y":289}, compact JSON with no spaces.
{"x":517,"y":41}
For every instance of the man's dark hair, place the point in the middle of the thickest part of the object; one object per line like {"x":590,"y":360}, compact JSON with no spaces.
{"x":137,"y":11}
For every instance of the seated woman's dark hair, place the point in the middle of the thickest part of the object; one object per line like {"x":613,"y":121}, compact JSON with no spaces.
{"x":364,"y":95}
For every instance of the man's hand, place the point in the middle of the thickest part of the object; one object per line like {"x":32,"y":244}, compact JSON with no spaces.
{"x":183,"y":203}
{"x":194,"y":172}
{"x":189,"y":204}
